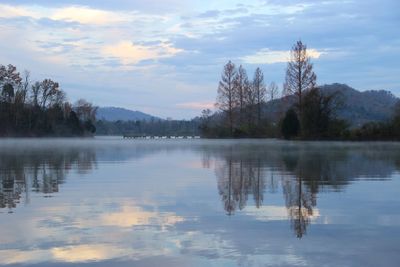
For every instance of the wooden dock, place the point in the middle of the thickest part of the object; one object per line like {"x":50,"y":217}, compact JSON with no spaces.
{"x":135,"y":136}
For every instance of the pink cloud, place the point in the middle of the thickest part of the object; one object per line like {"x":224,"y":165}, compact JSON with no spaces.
{"x":197,"y":105}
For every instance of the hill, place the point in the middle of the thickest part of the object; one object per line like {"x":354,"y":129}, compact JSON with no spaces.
{"x":122,"y":114}
{"x":361,"y":107}
{"x":358,"y":107}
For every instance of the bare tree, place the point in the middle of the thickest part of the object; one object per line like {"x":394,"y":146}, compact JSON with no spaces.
{"x":10,"y":75}
{"x":22,"y":92}
{"x":206,"y":113}
{"x":10,"y":80}
{"x":240,"y":87}
{"x":300,"y":76}
{"x":273,"y":90}
{"x":226,"y":100}
{"x":35,"y":90}
{"x":47,"y":93}
{"x":85,"y":110}
{"x":50,"y":93}
{"x":205,"y":120}
{"x":67,"y":108}
{"x":20,"y":97}
{"x":259,"y":90}
{"x":251,"y":102}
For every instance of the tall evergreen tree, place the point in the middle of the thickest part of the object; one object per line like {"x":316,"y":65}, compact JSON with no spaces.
{"x":290,"y":125}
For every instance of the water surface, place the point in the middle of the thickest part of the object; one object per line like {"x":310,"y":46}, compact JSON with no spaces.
{"x":113,"y":202}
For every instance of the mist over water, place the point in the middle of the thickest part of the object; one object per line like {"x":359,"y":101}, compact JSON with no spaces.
{"x":107,"y":201}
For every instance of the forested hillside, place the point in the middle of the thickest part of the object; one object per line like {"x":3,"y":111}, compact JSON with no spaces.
{"x":358,"y":107}
{"x":121,"y":114}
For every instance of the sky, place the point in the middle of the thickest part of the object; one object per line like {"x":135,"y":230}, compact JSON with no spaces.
{"x":165,"y":57}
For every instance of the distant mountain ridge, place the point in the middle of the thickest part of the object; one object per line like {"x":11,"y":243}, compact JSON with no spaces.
{"x":361,"y":107}
{"x":122,"y":114}
{"x":358,"y":107}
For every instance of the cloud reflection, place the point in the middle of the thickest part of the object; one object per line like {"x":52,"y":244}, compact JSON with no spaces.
{"x":133,"y":216}
{"x":230,"y":202}
{"x":93,"y":252}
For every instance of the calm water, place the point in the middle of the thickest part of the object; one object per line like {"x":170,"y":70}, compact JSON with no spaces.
{"x":112,"y":202}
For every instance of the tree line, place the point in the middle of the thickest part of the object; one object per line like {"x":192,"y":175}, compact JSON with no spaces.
{"x":312,"y":115}
{"x":40,"y":108}
{"x":241,"y":101}
{"x":154,"y":127}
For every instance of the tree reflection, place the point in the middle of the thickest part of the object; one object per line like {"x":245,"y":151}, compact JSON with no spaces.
{"x":237,"y":178}
{"x":41,"y":171}
{"x":302,"y":173}
{"x":299,"y":199}
{"x":299,"y":203}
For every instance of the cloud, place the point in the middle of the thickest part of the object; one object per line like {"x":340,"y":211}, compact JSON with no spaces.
{"x":288,"y":9}
{"x":9,"y":11}
{"x":77,"y":14}
{"x":89,"y":252}
{"x":148,"y":6}
{"x":197,"y":105}
{"x":130,"y":53}
{"x":209,"y":14}
{"x":86,"y":15}
{"x":267,"y":56}
{"x":15,"y":256}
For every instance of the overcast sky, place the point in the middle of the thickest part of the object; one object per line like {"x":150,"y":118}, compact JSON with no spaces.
{"x":165,"y":57}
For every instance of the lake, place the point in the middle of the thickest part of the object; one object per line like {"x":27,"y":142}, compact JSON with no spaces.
{"x":114,"y":202}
